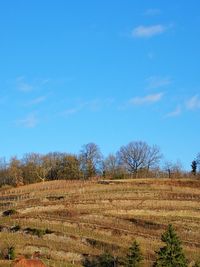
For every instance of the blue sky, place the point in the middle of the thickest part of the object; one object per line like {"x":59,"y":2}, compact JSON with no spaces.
{"x":108,"y":72}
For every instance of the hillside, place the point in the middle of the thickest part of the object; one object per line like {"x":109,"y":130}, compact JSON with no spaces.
{"x":66,"y":220}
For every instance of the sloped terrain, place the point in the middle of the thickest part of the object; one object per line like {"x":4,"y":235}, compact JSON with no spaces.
{"x":68,"y":220}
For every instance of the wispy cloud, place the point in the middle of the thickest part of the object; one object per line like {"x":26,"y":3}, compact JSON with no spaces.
{"x":148,"y":99}
{"x":29,"y":122}
{"x":37,"y":100}
{"x":148,"y":31}
{"x":157,"y":82}
{"x":28,"y":86}
{"x":193,"y":103}
{"x":175,"y":112}
{"x":72,"y":111}
{"x":92,"y":105}
{"x":152,"y":12}
{"x":23,"y":86}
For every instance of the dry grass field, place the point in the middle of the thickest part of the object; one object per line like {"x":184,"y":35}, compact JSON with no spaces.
{"x":74,"y":218}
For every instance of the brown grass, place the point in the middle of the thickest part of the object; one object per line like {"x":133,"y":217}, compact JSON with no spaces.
{"x":88,"y":217}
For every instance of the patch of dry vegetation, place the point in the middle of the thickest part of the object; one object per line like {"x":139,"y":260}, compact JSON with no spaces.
{"x":86,"y":218}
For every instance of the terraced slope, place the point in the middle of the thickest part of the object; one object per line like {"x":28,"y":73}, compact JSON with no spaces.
{"x":66,"y":220}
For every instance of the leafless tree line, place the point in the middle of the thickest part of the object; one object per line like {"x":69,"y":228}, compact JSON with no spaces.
{"x":136,"y":159}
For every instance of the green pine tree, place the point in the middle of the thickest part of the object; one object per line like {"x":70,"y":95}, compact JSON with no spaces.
{"x":194,"y":167}
{"x":134,"y":256}
{"x":103,"y":260}
{"x":171,"y":255}
{"x":106,"y":260}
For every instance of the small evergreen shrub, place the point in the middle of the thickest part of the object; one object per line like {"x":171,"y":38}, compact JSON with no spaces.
{"x":170,"y":255}
{"x":103,"y":260}
{"x":134,"y":256}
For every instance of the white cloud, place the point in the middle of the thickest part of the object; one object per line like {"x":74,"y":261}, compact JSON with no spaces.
{"x":29,"y":122}
{"x":148,"y":31}
{"x":92,"y":106}
{"x":175,"y":112}
{"x":37,"y":100}
{"x":23,"y":86}
{"x":79,"y":107}
{"x":148,"y":99}
{"x":26,"y":87}
{"x":193,"y":103}
{"x":71,"y":111}
{"x":157,"y":82}
{"x":152,"y":12}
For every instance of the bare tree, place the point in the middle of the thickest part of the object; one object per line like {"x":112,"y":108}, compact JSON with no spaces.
{"x":139,"y":155}
{"x":111,"y":165}
{"x":34,"y":167}
{"x":90,"y":159}
{"x":133,"y":156}
{"x":173,"y":169}
{"x":30,"y":162}
{"x":168,"y":166}
{"x":153,"y":157}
